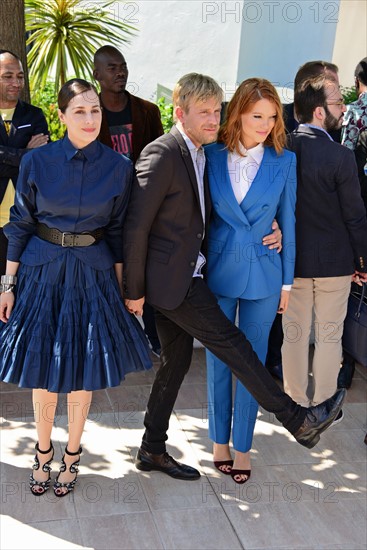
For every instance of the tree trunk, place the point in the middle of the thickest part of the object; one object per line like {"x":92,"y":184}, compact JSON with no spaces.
{"x":12,"y":34}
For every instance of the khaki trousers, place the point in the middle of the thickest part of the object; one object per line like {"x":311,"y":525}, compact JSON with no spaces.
{"x":319,"y":303}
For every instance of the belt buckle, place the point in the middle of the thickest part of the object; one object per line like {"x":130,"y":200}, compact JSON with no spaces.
{"x":67,"y":242}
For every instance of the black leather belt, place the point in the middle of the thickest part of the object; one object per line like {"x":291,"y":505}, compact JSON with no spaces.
{"x":66,"y":238}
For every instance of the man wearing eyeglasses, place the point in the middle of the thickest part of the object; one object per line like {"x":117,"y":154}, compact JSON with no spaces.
{"x":331,"y":245}
{"x":310,"y":69}
{"x":22,"y":127}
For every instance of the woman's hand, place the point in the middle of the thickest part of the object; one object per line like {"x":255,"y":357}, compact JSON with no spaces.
{"x":6,"y":305}
{"x":284,"y":301}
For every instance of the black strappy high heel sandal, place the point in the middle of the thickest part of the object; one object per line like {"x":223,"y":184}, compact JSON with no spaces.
{"x":73,"y":469}
{"x":42,"y":486}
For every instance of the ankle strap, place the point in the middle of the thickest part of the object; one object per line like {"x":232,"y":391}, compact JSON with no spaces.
{"x":78,"y":452}
{"x":43,"y":452}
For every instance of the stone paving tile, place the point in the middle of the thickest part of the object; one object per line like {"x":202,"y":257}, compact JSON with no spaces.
{"x":59,"y":534}
{"x":121,"y":532}
{"x":16,"y":404}
{"x":295,"y":499}
{"x":300,"y":524}
{"x":204,"y":528}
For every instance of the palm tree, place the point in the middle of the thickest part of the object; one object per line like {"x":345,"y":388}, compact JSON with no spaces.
{"x":64,"y":35}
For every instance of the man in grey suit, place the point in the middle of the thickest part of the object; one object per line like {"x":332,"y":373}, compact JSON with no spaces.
{"x":164,"y":257}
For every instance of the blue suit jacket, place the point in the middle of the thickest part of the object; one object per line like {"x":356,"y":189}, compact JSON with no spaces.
{"x":239,"y":265}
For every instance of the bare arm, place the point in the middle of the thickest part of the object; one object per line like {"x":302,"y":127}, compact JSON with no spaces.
{"x":37,"y":141}
{"x":118,"y":273}
{"x":7,"y":298}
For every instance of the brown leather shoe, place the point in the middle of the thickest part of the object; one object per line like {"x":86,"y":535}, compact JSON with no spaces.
{"x":319,"y":418}
{"x":164,"y":463}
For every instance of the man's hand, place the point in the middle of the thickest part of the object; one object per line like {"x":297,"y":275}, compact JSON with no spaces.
{"x":275,"y":239}
{"x":6,"y":305}
{"x":359,"y":278}
{"x":37,"y":141}
{"x":135,"y":306}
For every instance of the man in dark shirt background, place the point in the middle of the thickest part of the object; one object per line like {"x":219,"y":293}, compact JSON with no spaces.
{"x":22,"y":128}
{"x":129,"y":123}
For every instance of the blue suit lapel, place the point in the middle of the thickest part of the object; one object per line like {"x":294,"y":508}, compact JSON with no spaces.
{"x":264,"y":178}
{"x":220,"y":184}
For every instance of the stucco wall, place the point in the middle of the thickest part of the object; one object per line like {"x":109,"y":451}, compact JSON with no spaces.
{"x":232,"y":40}
{"x":351,"y":38}
{"x":176,"y":38}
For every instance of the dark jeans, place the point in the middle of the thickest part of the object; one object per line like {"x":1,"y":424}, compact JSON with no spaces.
{"x":3,"y":251}
{"x":200,"y":316}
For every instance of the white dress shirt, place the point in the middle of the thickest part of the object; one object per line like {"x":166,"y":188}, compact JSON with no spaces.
{"x":201,"y":261}
{"x":243,"y":169}
{"x":242,"y":172}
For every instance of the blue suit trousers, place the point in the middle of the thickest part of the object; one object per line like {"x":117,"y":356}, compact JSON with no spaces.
{"x":255,"y":318}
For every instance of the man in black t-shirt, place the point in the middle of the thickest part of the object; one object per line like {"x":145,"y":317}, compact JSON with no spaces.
{"x":129,"y":123}
{"x":121,"y":130}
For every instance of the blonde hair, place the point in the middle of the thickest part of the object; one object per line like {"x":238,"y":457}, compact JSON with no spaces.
{"x":195,"y":87}
{"x":250,"y":91}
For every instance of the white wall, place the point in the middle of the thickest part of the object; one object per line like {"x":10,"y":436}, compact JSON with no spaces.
{"x":279,"y":36}
{"x":176,"y":38}
{"x":233,"y":40}
{"x":351,"y":39}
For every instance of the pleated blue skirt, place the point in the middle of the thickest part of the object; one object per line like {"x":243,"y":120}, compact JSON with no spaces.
{"x":69,"y":330}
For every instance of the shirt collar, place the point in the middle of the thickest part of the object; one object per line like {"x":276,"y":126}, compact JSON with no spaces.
{"x":317,"y":128}
{"x":189,"y":143}
{"x":90,"y":151}
{"x":256,"y":153}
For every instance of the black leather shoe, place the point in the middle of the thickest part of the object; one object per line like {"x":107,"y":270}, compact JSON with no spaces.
{"x":319,"y":418}
{"x":164,"y":463}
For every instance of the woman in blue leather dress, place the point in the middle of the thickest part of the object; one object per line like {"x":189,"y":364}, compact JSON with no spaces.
{"x":64,"y":327}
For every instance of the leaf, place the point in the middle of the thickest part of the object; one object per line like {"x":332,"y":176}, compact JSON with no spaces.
{"x":64,"y":34}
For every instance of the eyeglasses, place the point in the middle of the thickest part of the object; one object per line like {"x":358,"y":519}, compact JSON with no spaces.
{"x":339,"y":103}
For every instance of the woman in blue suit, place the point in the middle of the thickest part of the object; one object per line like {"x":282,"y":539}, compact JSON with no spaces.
{"x":252,"y":180}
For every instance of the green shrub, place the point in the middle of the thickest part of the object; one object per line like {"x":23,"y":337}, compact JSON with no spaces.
{"x":166,"y":114}
{"x":349,"y":95}
{"x":45,"y":98}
